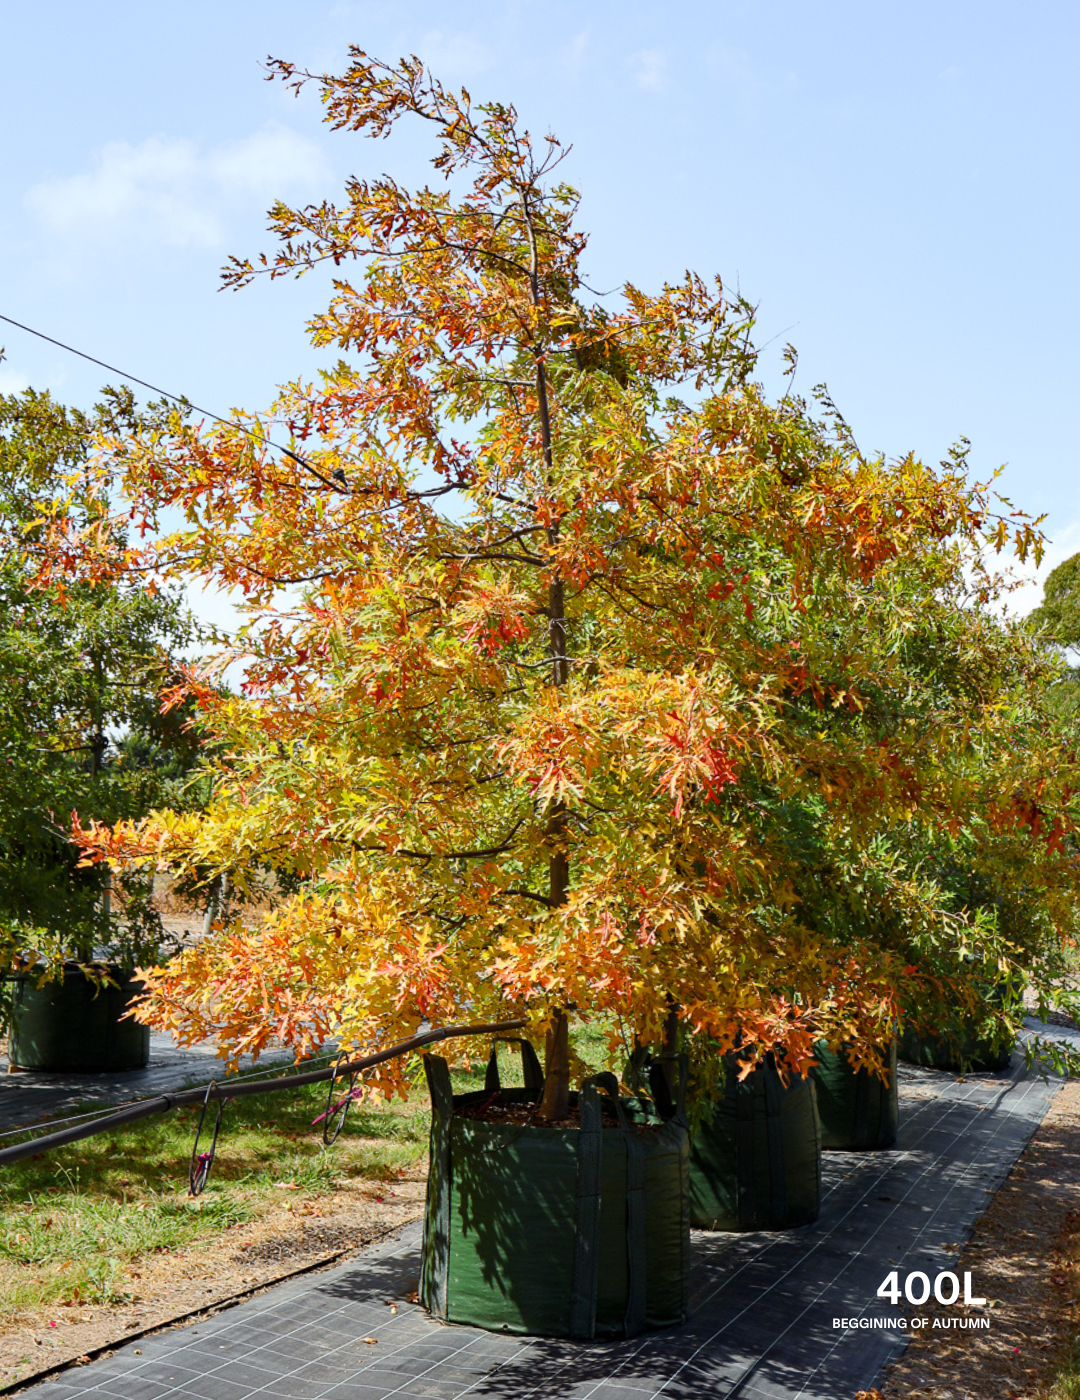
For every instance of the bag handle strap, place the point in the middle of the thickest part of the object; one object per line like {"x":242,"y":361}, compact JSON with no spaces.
{"x":774,"y":1136}
{"x":667,"y":1107}
{"x":636,"y":1074}
{"x":586,"y":1275}
{"x":607,"y":1082}
{"x":636,"y":1227}
{"x":436,"y":1254}
{"x":740,"y":1099}
{"x":530,"y":1064}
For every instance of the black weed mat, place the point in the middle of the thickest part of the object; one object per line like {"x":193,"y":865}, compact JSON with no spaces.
{"x":765,"y":1308}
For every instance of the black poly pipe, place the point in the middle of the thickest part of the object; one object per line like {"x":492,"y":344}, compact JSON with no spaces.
{"x":164,"y":1102}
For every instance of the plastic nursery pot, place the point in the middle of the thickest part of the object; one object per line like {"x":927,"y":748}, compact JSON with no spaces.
{"x":550,"y":1231}
{"x":74,"y":1027}
{"x":859,"y":1113}
{"x":945,"y":1052}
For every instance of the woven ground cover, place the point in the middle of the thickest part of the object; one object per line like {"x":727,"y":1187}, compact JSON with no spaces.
{"x":762,"y":1306}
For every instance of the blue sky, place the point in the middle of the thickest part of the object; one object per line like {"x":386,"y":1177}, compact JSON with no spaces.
{"x":894,"y":185}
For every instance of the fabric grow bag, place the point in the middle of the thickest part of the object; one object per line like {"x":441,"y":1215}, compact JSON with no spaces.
{"x":561,"y":1232}
{"x":755,"y":1158}
{"x":74,"y":1027}
{"x":966,"y":1051}
{"x":944,"y":1052}
{"x":858,"y":1112}
{"x":755,"y":1164}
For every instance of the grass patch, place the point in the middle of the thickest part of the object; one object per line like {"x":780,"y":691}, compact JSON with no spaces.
{"x":74,"y":1223}
{"x":1066,"y":1383}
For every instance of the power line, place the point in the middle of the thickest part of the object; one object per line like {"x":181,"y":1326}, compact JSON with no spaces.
{"x":174,"y":398}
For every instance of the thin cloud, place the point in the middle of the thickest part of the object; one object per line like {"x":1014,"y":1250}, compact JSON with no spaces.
{"x":748,"y":87}
{"x":12,"y":382}
{"x":171,"y":191}
{"x":574,"y":53}
{"x":650,"y":69}
{"x":455,"y":57}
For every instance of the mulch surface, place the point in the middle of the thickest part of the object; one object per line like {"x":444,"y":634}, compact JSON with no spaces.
{"x":1024,"y":1258}
{"x":519,"y":1114}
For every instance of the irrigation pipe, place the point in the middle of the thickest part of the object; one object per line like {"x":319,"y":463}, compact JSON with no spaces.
{"x":164,"y":1102}
{"x":97,"y":1113}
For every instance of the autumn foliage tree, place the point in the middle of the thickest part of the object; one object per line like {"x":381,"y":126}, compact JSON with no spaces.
{"x":574,"y":616}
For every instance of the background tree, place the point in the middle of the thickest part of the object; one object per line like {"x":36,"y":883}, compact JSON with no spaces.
{"x":582,"y":615}
{"x":1058,"y":615}
{"x":83,"y":661}
{"x":1057,"y":622}
{"x":973,"y":889}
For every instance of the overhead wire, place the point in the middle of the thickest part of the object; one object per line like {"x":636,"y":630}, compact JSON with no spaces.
{"x":173,"y":398}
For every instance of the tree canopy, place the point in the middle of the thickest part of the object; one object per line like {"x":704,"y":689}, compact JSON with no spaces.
{"x":604,"y":682}
{"x":83,"y":660}
{"x":1058,"y":615}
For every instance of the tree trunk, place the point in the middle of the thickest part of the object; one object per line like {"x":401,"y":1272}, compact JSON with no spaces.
{"x":555,"y":1103}
{"x":671,"y":1044}
{"x":215,"y":905}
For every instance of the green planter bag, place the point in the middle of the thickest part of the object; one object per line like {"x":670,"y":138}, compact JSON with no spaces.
{"x":858,"y":1112}
{"x":943,"y":1052}
{"x":75,"y":1027}
{"x":755,"y":1159}
{"x":966,"y":1050}
{"x":756,"y":1163}
{"x":559,"y":1232}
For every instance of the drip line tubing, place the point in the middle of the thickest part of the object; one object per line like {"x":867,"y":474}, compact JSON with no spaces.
{"x":233,"y":1090}
{"x":50,"y":1120}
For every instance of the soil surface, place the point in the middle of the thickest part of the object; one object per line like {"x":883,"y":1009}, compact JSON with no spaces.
{"x":1024,"y":1259}
{"x":523,"y":1114}
{"x":243,"y":1258}
{"x":494,"y":1109}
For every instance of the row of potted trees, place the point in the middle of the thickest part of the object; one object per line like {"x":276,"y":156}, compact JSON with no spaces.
{"x":582,"y":1228}
{"x":583,"y":677}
